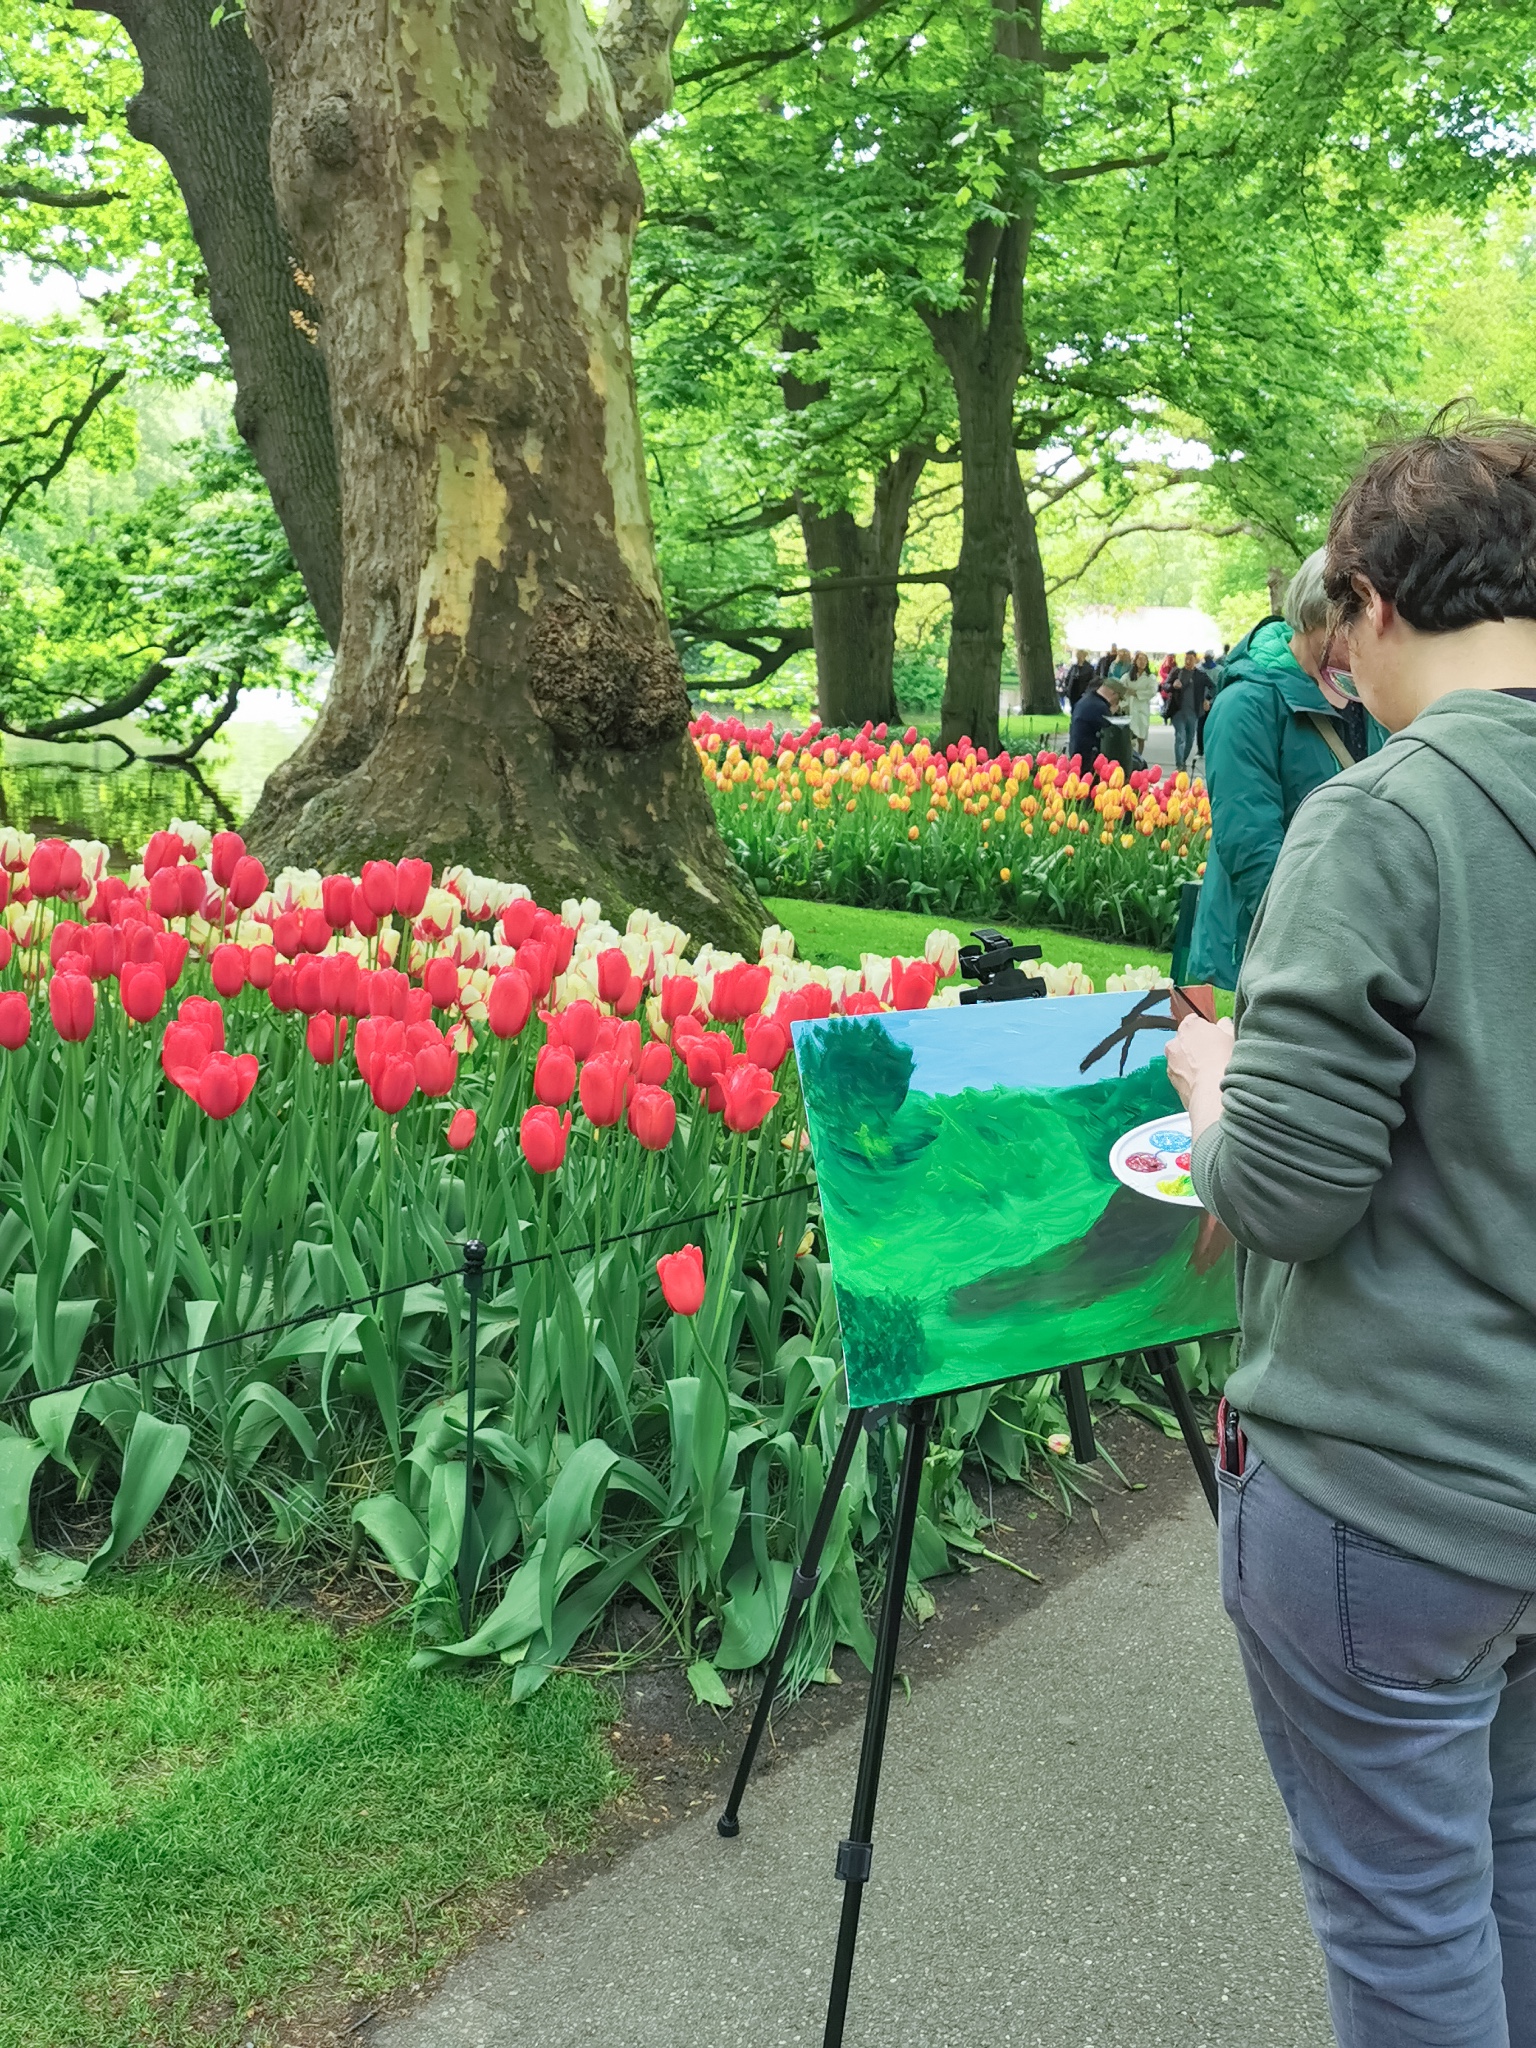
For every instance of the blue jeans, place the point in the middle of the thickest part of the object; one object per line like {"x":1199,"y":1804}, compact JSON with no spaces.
{"x":1185,"y":726}
{"x":1397,"y":1705}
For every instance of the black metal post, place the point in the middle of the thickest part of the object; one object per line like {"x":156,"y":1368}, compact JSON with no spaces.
{"x":1079,"y":1415}
{"x":474,"y":1280}
{"x":1164,"y":1361}
{"x":802,"y":1585}
{"x":855,"y":1855}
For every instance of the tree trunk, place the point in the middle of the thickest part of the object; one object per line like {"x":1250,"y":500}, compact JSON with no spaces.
{"x":1277,"y":580}
{"x":985,"y":358}
{"x":1031,"y":612}
{"x":458,"y":179}
{"x":206,"y":106}
{"x":855,"y":628}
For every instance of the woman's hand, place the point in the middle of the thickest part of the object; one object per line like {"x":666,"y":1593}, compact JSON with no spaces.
{"x":1197,"y":1058}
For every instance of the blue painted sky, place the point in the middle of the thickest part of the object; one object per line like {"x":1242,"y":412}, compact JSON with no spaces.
{"x":1016,"y":1045}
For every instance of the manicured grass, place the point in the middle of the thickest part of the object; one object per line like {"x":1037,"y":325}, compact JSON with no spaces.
{"x":205,"y":1805}
{"x":833,"y":935}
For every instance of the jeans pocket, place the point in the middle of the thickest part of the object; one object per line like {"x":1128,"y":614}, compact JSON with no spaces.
{"x":1412,"y":1625}
{"x":1230,"y":1489}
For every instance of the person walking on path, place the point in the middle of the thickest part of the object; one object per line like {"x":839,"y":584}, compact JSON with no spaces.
{"x":1276,"y":730}
{"x":1188,"y":686}
{"x":1369,"y":1138}
{"x":1079,"y":678}
{"x":1140,"y":686}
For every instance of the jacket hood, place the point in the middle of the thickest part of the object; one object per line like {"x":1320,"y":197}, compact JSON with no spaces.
{"x":1266,"y":657}
{"x":1491,"y":737}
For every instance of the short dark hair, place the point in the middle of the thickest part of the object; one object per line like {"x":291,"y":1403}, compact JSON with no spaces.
{"x":1443,"y":525}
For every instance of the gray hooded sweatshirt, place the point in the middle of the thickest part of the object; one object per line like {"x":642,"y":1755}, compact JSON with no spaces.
{"x":1376,"y":1155}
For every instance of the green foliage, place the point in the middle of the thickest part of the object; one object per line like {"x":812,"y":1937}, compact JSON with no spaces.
{"x":164,"y":608}
{"x":204,"y":1804}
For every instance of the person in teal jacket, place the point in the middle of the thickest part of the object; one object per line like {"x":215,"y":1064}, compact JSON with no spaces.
{"x":1275,"y":733}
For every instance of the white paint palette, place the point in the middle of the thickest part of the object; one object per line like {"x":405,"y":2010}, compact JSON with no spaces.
{"x":1154,"y":1161}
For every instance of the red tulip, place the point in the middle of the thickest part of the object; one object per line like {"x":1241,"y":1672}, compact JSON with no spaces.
{"x":308,"y":985}
{"x":767,"y":1042}
{"x":378,"y":886}
{"x":336,"y":893}
{"x":652,"y":1117}
{"x":912,"y":984}
{"x":366,"y":1042}
{"x":184,"y":1052}
{"x":15,"y":1020}
{"x":679,"y":993}
{"x":325,"y":1036}
{"x":511,"y":1002}
{"x":288,"y":933}
{"x":315,"y":933}
{"x":204,"y":1016}
{"x":440,"y":979}
{"x":707,"y":1057}
{"x":461,"y":1130}
{"x":604,"y":1088}
{"x":536,"y":964}
{"x":224,"y":856}
{"x":65,"y":938}
{"x":542,"y":1135}
{"x":629,"y":1001}
{"x":227,"y":967}
{"x":392,"y":1082}
{"x":247,"y":882}
{"x":862,"y":1004}
{"x":223,"y":1083}
{"x":7,"y":946}
{"x":437,"y":1068}
{"x":260,"y":966}
{"x":613,"y":974}
{"x":413,"y":878}
{"x":282,"y":990}
{"x":165,"y":893}
{"x":682,"y":1280}
{"x":685,"y":1027}
{"x":387,"y":991}
{"x":54,"y":869}
{"x":102,"y":949}
{"x":415,"y":1006}
{"x":364,"y":923}
{"x":171,"y":952}
{"x":560,"y":938}
{"x":143,"y":992}
{"x":341,"y":983}
{"x":139,"y":945}
{"x":554,"y":1075}
{"x":72,"y":1005}
{"x":576,"y":1027}
{"x":739,"y":992}
{"x":749,"y":1095}
{"x":813,"y":1000}
{"x":164,"y":850}
{"x":517,"y":920}
{"x":623,"y":1038}
{"x":654,"y":1066}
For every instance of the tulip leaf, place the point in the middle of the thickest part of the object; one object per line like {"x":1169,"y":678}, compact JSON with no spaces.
{"x":156,"y":1451}
{"x":708,"y":1687}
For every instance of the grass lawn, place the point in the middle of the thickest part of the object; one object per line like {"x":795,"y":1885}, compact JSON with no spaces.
{"x":833,"y":935}
{"x":205,"y":1805}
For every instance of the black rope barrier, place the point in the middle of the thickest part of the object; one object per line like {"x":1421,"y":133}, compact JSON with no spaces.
{"x":19,"y":1398}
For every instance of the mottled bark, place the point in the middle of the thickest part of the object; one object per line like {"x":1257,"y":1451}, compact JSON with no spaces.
{"x":206,"y":106}
{"x":457,"y":177}
{"x":854,"y":627}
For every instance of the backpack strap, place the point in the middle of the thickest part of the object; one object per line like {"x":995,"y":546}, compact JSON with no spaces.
{"x":1331,"y":738}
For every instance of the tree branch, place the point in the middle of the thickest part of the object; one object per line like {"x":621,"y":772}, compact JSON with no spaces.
{"x":183,"y":757}
{"x":764,"y":60}
{"x":791,"y":641}
{"x":42,"y":478}
{"x":636,"y":43}
{"x":1070,"y":173}
{"x":43,"y":117}
{"x":37,"y":195}
{"x":1146,"y":526}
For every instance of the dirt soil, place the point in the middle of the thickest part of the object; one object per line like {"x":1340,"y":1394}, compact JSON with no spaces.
{"x":679,"y":1756}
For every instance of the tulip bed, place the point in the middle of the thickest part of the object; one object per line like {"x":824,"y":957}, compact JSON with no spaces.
{"x":902,"y":824}
{"x":227,"y":1102}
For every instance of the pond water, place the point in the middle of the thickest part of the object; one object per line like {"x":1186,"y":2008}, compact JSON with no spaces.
{"x":75,"y":793}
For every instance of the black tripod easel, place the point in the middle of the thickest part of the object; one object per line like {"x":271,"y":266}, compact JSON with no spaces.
{"x":855,"y":1853}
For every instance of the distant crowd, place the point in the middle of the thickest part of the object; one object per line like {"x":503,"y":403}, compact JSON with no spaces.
{"x":1111,"y":702}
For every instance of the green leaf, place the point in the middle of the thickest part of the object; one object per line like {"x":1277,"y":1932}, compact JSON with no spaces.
{"x":709,"y":1688}
{"x":397,"y":1533}
{"x":156,"y":1451}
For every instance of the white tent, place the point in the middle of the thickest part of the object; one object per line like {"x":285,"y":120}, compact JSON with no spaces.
{"x":1152,"y":629}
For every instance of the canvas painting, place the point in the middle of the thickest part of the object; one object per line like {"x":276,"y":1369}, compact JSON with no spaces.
{"x":1006,"y":1191}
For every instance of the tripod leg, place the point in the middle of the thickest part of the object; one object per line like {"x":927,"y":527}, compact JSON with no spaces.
{"x":801,"y":1586}
{"x":1164,"y":1361}
{"x":1079,"y":1416}
{"x":855,"y":1854}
